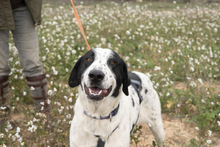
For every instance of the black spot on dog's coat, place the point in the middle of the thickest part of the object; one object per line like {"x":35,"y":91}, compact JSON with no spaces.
{"x":145,"y":91}
{"x":133,"y":104}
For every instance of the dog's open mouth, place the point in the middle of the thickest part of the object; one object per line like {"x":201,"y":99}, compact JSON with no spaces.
{"x":96,"y":93}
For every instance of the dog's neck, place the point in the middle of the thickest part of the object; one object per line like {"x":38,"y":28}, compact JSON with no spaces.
{"x":112,"y":114}
{"x":100,"y":108}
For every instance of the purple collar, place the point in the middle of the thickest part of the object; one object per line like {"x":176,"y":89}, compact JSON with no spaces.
{"x":113,"y":113}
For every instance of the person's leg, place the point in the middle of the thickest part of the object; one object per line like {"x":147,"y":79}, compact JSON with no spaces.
{"x":4,"y":66}
{"x":4,"y":91}
{"x":4,"y":99}
{"x":4,"y":72}
{"x":26,"y":41}
{"x":4,"y":53}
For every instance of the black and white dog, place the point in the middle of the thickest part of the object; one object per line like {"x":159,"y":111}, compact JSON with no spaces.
{"x":111,"y":101}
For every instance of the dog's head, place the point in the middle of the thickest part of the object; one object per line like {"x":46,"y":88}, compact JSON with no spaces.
{"x":100,"y":73}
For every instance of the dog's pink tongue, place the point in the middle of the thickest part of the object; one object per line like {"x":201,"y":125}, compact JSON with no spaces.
{"x":105,"y":91}
{"x":95,"y":90}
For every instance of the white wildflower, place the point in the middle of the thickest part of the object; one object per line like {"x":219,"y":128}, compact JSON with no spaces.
{"x":128,"y":32}
{"x":33,"y":128}
{"x":32,"y":88}
{"x":218,"y":123}
{"x":24,"y":93}
{"x":44,"y":58}
{"x":200,"y":81}
{"x":210,"y":133}
{"x":50,"y":92}
{"x":157,"y":68}
{"x":209,"y":141}
{"x":18,"y":130}
{"x":70,"y":100}
{"x":192,"y":84}
{"x":192,"y":69}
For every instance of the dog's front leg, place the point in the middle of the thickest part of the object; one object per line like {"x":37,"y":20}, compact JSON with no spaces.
{"x":120,"y":138}
{"x":80,"y":138}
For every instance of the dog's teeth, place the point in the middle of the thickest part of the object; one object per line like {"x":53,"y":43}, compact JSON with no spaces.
{"x":90,"y":91}
{"x":100,"y":92}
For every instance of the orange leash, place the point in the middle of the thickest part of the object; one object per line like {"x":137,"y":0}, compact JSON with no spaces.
{"x":80,"y":25}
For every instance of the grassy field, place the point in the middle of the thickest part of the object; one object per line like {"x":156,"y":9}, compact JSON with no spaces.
{"x":177,"y":45}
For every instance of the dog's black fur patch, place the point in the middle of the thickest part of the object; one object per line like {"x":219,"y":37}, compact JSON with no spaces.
{"x":134,"y":76}
{"x":121,"y":74}
{"x":136,"y":86}
{"x":80,"y":67}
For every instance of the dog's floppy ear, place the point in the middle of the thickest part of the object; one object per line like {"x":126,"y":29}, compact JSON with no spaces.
{"x":126,"y":81}
{"x":74,"y":79}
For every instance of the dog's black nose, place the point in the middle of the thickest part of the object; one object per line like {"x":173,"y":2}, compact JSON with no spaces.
{"x":96,"y":75}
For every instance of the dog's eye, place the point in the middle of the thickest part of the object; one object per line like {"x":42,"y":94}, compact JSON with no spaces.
{"x":89,"y":59}
{"x":112,"y":62}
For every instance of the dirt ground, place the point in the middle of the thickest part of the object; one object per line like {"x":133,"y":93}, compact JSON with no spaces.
{"x":177,"y":134}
